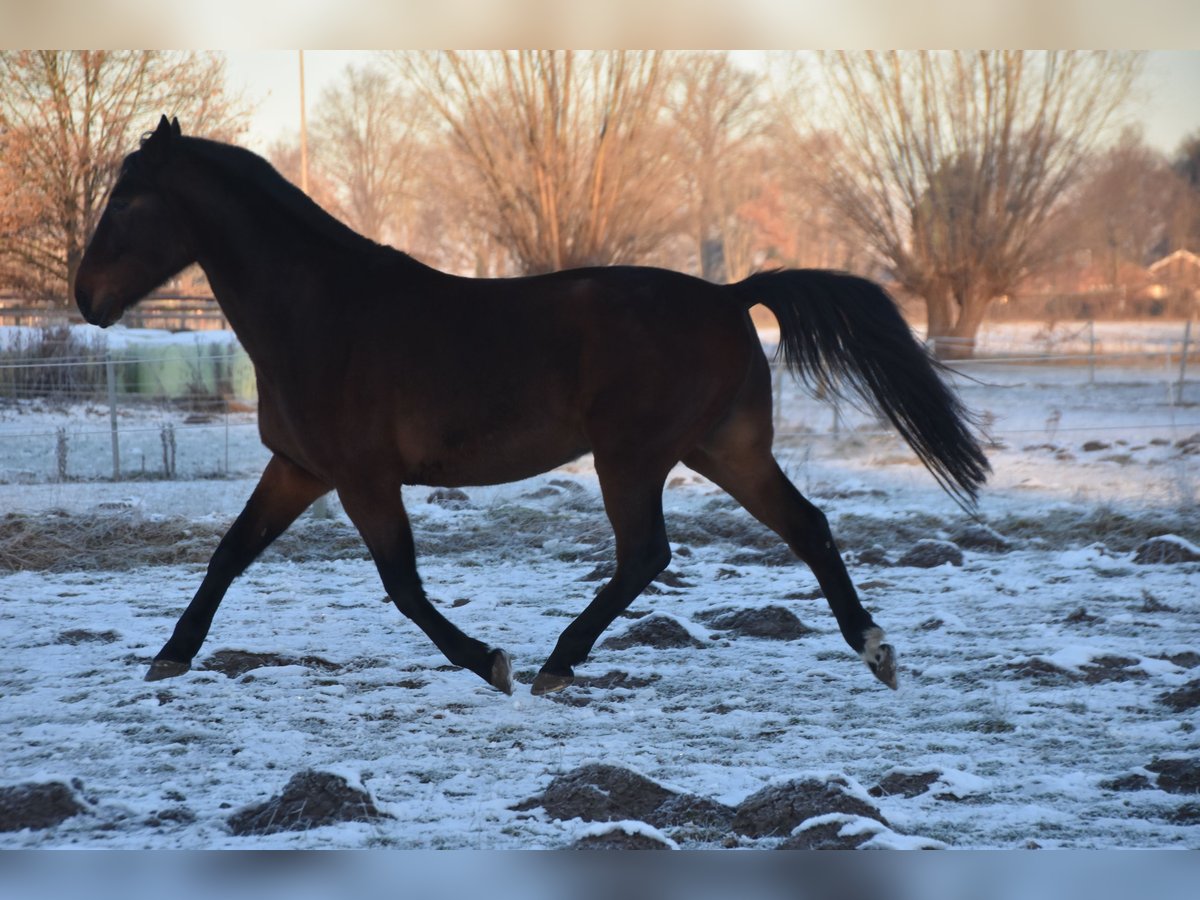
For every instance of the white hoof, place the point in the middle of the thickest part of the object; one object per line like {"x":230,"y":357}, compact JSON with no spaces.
{"x":879,"y":657}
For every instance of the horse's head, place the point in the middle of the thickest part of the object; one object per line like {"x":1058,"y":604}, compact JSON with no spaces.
{"x":138,"y":243}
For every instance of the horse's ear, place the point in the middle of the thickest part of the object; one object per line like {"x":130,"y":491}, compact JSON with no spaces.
{"x":175,"y":129}
{"x":158,"y":144}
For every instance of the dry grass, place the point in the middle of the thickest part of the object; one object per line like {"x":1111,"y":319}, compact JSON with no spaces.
{"x":570,"y":532}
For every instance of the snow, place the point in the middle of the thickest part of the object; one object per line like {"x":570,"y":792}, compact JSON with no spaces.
{"x":1019,"y":758}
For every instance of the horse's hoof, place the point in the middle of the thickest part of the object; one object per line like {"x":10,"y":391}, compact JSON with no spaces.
{"x":501,"y":674}
{"x":880,"y":657}
{"x":548,"y":683}
{"x":166,"y":668}
{"x":884,"y":665}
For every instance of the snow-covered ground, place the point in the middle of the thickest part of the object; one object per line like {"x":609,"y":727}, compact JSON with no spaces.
{"x":1032,"y":677}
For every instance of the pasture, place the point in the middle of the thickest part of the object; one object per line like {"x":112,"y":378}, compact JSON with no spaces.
{"x":1049,"y":672}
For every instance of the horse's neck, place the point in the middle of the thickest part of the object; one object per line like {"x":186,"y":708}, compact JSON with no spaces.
{"x":254,"y":258}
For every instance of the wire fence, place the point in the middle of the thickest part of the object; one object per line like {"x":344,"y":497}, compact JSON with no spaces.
{"x":188,"y":411}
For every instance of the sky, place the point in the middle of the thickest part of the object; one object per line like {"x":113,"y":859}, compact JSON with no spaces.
{"x":1165,"y":103}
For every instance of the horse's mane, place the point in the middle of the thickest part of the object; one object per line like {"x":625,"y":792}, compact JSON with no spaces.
{"x":252,"y":171}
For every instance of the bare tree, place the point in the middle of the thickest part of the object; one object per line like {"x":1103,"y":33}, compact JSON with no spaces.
{"x":949,"y":164}
{"x":1122,"y":209}
{"x":717,"y":112}
{"x":368,"y":135}
{"x":66,"y":120}
{"x":1185,"y":219}
{"x":565,"y":151}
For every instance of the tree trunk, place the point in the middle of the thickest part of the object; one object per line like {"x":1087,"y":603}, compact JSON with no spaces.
{"x":954,"y":322}
{"x":939,"y":314}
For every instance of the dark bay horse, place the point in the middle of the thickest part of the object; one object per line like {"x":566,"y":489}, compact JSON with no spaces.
{"x":375,"y":371}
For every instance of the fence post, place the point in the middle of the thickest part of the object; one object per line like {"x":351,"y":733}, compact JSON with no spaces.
{"x":110,"y":375}
{"x":1183,"y":356}
{"x":1091,"y":351}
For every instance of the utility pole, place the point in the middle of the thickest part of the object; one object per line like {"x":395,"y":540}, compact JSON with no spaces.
{"x":320,"y":507}
{"x":303,"y":132}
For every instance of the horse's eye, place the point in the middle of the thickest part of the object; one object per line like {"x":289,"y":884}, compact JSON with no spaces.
{"x":118,"y":204}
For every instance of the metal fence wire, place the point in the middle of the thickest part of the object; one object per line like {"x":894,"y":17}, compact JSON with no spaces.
{"x":81,"y":410}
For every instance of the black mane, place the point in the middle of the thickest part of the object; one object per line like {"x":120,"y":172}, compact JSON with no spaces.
{"x":253,"y":172}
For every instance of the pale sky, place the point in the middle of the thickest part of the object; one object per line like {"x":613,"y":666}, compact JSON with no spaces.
{"x":1166,"y":104}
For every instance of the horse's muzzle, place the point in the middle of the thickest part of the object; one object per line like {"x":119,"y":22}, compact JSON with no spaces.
{"x":95,"y":313}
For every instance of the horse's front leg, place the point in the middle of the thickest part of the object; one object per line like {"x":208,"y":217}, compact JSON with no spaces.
{"x":378,"y":514}
{"x":283,"y":493}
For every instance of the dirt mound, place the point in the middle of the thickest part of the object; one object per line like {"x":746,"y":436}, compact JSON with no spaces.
{"x":1167,"y":548}
{"x":609,"y":687}
{"x":620,"y":839}
{"x":77,"y":636}
{"x":1134,"y":781}
{"x":449,"y":497}
{"x":771,"y":622}
{"x":698,"y":815}
{"x":824,"y":835}
{"x":661,"y":632}
{"x":603,"y":793}
{"x":1184,"y":698}
{"x":1177,"y":776}
{"x":234,"y":663}
{"x":310,"y":799}
{"x":902,"y":784}
{"x":930,"y":553}
{"x":37,"y":805}
{"x":976,"y":536}
{"x":600,"y":793}
{"x":776,"y":810}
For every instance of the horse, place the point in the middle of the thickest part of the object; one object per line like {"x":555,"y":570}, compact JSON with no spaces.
{"x":376,"y":371}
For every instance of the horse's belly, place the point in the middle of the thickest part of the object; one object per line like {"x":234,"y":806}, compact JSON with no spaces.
{"x":498,"y":465}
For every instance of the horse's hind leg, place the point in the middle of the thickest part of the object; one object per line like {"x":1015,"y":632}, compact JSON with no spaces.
{"x":283,"y":492}
{"x":379,"y":515}
{"x":740,"y":461}
{"x":635,"y":510}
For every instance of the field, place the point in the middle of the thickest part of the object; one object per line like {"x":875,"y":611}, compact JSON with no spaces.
{"x":1048,"y":688}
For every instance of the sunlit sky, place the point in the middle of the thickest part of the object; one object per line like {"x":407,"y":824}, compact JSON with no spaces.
{"x":1166,"y":102}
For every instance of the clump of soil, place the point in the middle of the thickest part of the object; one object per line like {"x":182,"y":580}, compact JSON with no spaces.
{"x":1112,"y":668}
{"x":37,"y":805}
{"x":929,"y":553}
{"x":776,"y":810}
{"x":310,"y":799}
{"x":449,"y":497}
{"x":661,"y":632}
{"x":1135,"y":781}
{"x":772,"y":622}
{"x":1184,"y":698}
{"x":600,"y":793}
{"x":825,"y":835}
{"x":1041,"y":671}
{"x":1082,"y":617}
{"x":900,"y":784}
{"x":620,"y":839}
{"x":77,"y":636}
{"x":1177,"y":776}
{"x":1166,"y":549}
{"x":976,"y":536}
{"x":585,"y":689}
{"x":235,"y":663}
{"x":696,"y":815}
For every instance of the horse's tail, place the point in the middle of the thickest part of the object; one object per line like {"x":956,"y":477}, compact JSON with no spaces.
{"x":837,"y":330}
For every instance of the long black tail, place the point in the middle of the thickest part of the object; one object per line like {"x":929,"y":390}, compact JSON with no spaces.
{"x":840,"y":330}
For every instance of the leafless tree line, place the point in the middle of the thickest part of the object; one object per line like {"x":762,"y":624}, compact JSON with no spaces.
{"x":67,"y":118}
{"x":956,"y":176}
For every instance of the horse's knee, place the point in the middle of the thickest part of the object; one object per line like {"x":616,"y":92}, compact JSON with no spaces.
{"x":810,"y":535}
{"x":647,"y":562}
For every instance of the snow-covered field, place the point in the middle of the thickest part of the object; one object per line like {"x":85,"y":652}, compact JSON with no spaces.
{"x":1043,"y":683}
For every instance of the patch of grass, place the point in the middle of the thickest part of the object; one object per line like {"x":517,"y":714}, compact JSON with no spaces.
{"x":1118,"y":530}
